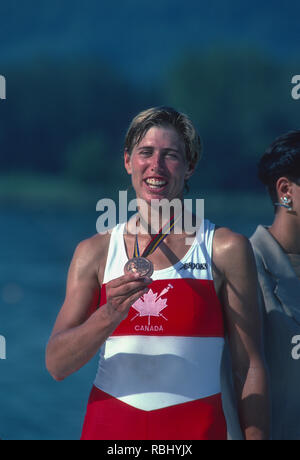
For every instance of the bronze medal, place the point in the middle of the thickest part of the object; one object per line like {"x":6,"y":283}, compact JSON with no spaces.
{"x":140,"y":265}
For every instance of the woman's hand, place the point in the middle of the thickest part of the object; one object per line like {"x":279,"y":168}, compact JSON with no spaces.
{"x":122,"y":292}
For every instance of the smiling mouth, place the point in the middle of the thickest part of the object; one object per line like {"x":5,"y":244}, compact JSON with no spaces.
{"x":155,"y":183}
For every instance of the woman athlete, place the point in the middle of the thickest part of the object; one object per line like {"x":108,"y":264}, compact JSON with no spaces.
{"x":161,"y":330}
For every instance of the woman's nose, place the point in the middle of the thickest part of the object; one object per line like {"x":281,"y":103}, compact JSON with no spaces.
{"x":157,"y":162}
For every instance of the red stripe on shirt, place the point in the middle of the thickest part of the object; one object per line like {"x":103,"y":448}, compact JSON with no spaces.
{"x":189,"y":308}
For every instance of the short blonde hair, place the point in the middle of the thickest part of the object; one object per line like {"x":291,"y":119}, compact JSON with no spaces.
{"x":165,"y":116}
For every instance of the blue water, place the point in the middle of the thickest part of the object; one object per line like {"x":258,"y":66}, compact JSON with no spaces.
{"x":36,"y":247}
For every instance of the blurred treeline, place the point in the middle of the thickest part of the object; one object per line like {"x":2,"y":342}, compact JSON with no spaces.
{"x":68,"y":117}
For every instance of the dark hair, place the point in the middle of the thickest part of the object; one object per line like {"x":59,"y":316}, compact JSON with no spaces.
{"x":282,"y":158}
{"x":165,"y":116}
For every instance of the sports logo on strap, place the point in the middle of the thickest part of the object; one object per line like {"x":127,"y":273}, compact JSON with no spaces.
{"x":194,"y":266}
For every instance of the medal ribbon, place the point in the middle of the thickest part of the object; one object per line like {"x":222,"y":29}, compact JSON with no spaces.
{"x":156,"y":240}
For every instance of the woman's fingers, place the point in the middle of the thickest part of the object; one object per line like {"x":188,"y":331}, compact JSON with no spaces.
{"x":122,"y":292}
{"x":127,"y":286}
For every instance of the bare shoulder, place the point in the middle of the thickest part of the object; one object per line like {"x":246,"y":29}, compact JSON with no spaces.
{"x":231,"y":249}
{"x":93,"y":247}
{"x":90,"y":255}
{"x":228,"y":240}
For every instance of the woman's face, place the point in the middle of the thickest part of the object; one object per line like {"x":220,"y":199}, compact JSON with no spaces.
{"x":158,"y":165}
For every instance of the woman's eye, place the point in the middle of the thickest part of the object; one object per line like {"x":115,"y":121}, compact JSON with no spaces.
{"x":171,"y":155}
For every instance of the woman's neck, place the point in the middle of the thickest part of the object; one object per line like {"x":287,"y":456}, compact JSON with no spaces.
{"x":152,"y":218}
{"x":186,"y":223}
{"x":286,"y":230}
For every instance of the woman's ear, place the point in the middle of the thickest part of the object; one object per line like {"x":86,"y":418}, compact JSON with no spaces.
{"x":283,"y":186}
{"x":127,"y":162}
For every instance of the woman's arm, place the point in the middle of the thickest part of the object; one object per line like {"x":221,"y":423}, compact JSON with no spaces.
{"x":76,"y":338}
{"x":240,"y":302}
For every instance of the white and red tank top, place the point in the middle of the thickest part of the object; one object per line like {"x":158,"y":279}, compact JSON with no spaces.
{"x":168,"y":350}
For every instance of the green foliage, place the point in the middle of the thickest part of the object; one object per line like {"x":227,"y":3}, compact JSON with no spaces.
{"x":240,"y":101}
{"x":52,"y":102}
{"x":86,"y":160}
{"x":71,"y":115}
{"x":90,"y":160}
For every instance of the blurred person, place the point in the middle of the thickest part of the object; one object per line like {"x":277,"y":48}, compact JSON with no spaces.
{"x":161,"y":333}
{"x":277,"y":253}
